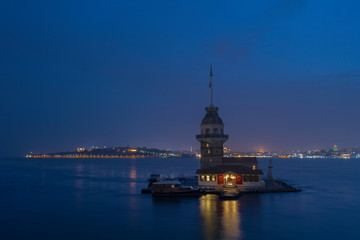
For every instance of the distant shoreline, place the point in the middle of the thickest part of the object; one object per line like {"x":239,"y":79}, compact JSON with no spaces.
{"x":98,"y":156}
{"x":113,"y":152}
{"x":43,"y":156}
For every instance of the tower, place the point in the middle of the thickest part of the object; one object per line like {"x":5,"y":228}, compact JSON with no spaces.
{"x":269,"y":175}
{"x":212,"y":135}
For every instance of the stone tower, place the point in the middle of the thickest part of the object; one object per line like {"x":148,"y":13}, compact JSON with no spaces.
{"x":212,"y":135}
{"x":212,"y":138}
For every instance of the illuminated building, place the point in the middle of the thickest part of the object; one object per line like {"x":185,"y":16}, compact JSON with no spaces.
{"x":227,"y":150}
{"x":217,"y":171}
{"x":80,"y":149}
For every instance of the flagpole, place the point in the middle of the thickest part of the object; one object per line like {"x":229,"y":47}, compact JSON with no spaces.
{"x":211,"y":75}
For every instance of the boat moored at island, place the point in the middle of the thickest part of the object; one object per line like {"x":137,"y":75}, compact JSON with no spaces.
{"x":173,"y":188}
{"x":154,"y":177}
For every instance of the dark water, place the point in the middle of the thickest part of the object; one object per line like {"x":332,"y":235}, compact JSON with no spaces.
{"x":100,"y":199}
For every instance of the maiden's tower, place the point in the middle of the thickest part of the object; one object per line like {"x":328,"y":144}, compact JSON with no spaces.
{"x":216,"y":171}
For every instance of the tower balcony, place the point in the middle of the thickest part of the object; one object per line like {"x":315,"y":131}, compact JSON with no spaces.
{"x":209,"y":137}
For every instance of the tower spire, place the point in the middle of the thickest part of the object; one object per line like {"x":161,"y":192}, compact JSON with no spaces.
{"x":211,"y":75}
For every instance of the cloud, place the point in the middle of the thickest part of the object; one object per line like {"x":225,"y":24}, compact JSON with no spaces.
{"x":285,"y":7}
{"x":228,"y":49}
{"x":346,"y":76}
{"x":235,"y":44}
{"x":242,"y":40}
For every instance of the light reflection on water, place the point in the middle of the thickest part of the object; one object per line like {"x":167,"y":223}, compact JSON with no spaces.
{"x":132,"y":177}
{"x":221,"y":219}
{"x":231,"y":219}
{"x":79,"y":182}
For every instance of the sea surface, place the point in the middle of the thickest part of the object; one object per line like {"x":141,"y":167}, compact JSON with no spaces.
{"x":101,"y":199}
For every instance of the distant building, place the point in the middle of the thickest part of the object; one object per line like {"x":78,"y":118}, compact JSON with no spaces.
{"x":227,"y":150}
{"x":217,"y":171}
{"x":80,"y":149}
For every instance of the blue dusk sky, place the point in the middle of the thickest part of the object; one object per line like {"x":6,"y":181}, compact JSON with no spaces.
{"x":113,"y":73}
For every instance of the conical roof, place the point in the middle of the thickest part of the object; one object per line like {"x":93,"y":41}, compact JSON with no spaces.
{"x":212,"y":116}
